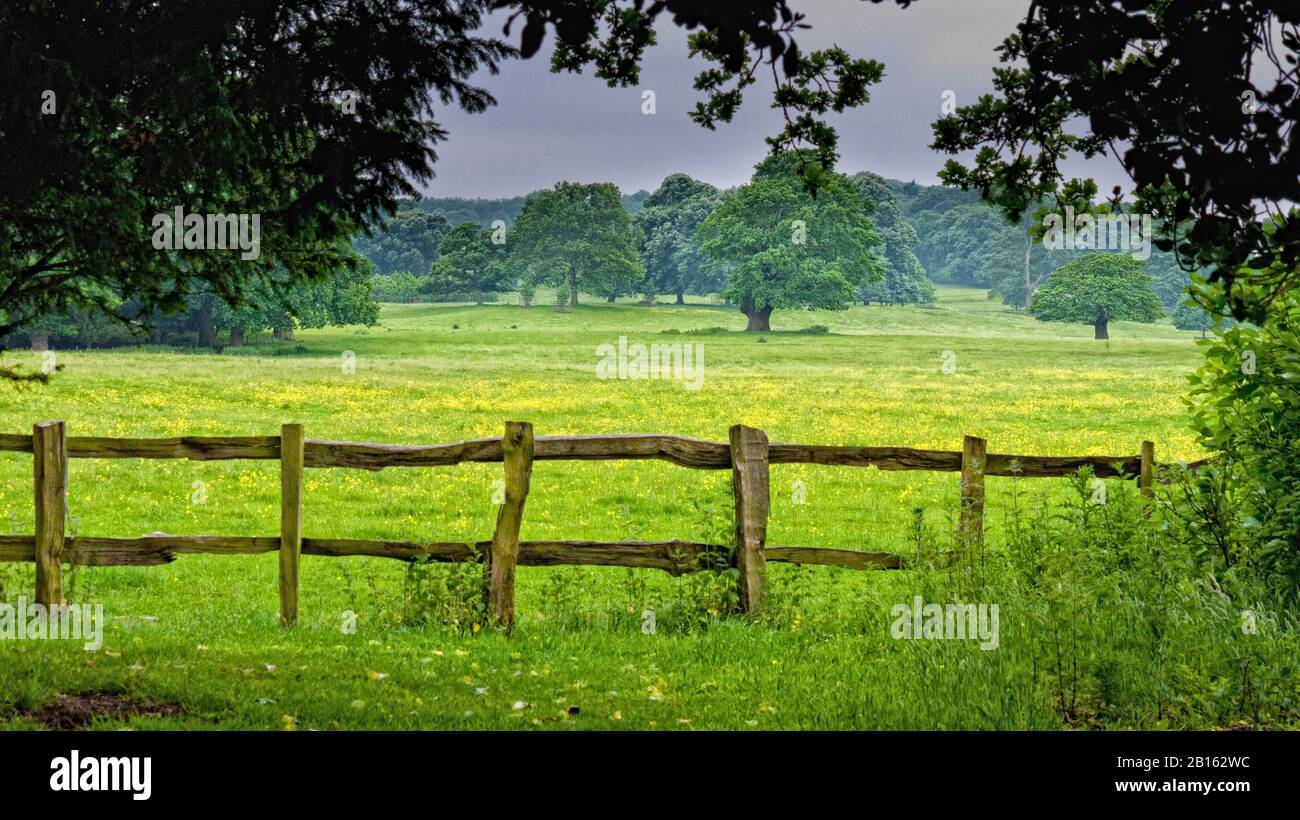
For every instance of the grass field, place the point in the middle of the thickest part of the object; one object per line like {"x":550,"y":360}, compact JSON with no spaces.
{"x":203,"y":633}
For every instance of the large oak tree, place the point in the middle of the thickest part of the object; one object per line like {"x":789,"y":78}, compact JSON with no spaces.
{"x":576,"y":236}
{"x":783,"y":248}
{"x":1098,"y":288}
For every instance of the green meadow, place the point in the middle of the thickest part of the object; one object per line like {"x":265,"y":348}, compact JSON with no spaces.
{"x":381,"y":645}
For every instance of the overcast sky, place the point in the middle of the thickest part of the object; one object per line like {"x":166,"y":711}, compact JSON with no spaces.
{"x":546,"y":127}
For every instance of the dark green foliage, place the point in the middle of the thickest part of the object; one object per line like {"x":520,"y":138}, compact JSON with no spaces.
{"x":345,"y":298}
{"x":406,"y":243}
{"x":1130,"y":73}
{"x":963,"y":241}
{"x":1246,"y":406}
{"x":1191,"y":316}
{"x":667,"y":223}
{"x":483,"y":212}
{"x":225,"y":108}
{"x":314,"y":115}
{"x":904,"y":279}
{"x":470,"y":262}
{"x":733,"y":38}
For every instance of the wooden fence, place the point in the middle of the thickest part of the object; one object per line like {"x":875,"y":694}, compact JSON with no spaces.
{"x":747,"y":454}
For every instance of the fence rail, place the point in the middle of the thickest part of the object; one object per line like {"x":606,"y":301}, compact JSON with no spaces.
{"x":686,"y":452}
{"x":747,"y":453}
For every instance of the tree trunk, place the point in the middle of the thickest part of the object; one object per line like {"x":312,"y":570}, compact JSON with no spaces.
{"x":758,"y":318}
{"x":1029,"y":285}
{"x":236,"y":337}
{"x":284,"y":334}
{"x":1100,"y":328}
{"x":573,"y":287}
{"x":478,"y":297}
{"x":681,"y":297}
{"x":610,"y":298}
{"x":40,"y":341}
{"x":207,"y":329}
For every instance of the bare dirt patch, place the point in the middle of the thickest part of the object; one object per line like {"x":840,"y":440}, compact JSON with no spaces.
{"x":68,"y":712}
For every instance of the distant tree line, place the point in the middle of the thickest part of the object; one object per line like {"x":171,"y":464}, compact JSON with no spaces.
{"x":685,"y":238}
{"x":766,"y":245}
{"x":575,"y":238}
{"x":963,"y":241}
{"x":274,"y":308}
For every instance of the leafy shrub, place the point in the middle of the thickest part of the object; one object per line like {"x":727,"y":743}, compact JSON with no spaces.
{"x":1245,"y":403}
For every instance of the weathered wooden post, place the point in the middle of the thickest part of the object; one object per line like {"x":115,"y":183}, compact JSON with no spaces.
{"x":1146,"y":475}
{"x":749,"y":485}
{"x":291,"y":469}
{"x":50,"y":457}
{"x":970,"y":519}
{"x":517,"y":458}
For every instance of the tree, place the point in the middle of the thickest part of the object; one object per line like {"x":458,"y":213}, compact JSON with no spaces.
{"x":79,"y":327}
{"x":1170,"y":89}
{"x":406,"y":243}
{"x":1169,"y":279}
{"x":345,"y":298}
{"x":904,"y":279}
{"x":576,"y":236}
{"x":281,"y":305}
{"x":1098,"y":288}
{"x":400,"y":287}
{"x":312,"y":114}
{"x":1191,"y":316}
{"x":479,"y":211}
{"x":737,"y":39}
{"x":469,"y":262}
{"x":676,"y":189}
{"x":785,"y":249}
{"x":956,"y":245}
{"x":668,"y":220}
{"x":965,"y":241}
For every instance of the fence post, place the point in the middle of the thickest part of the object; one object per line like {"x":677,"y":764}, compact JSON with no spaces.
{"x":749,"y":485}
{"x":517,"y":458}
{"x":1147,"y":474}
{"x":291,"y":469}
{"x":50,"y":457}
{"x":970,"y":519}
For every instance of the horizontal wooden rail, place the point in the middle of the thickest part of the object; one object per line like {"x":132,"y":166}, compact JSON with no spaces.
{"x":194,"y":448}
{"x":680,"y":450}
{"x":848,"y":559}
{"x":675,"y":557}
{"x":378,"y":456}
